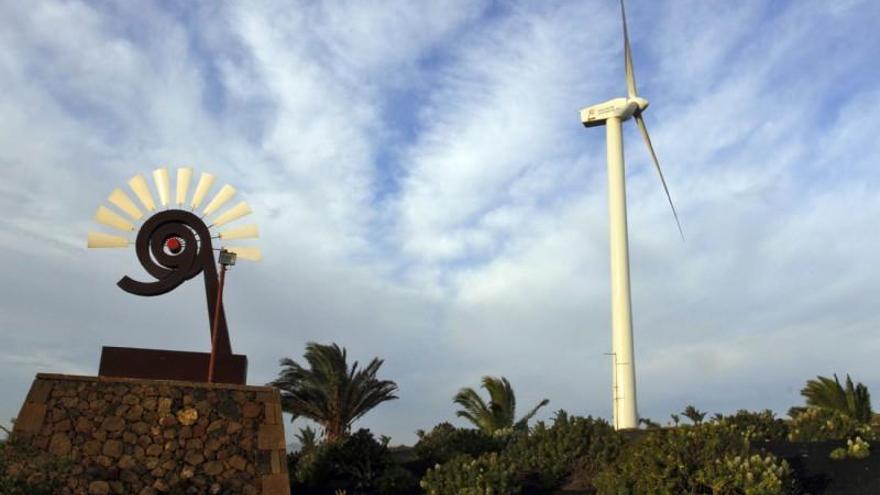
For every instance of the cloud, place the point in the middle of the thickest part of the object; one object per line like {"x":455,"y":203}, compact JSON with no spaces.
{"x":426,"y":194}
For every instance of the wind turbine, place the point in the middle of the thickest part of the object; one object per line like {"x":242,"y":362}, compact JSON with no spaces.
{"x":611,"y":114}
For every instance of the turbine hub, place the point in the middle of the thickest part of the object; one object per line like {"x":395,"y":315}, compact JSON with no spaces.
{"x":640,"y":102}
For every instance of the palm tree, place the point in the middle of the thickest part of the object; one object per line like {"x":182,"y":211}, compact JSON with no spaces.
{"x":328,"y":392}
{"x":499,"y":412}
{"x":308,"y":439}
{"x":695,"y":415}
{"x":825,"y":393}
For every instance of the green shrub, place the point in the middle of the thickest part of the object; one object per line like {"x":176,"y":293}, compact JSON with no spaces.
{"x":838,"y":454}
{"x":488,"y":474}
{"x":753,"y":475}
{"x":396,"y":479}
{"x":686,"y":460}
{"x":357,"y":463}
{"x":26,"y":471}
{"x":445,"y":441}
{"x":755,"y":426}
{"x":813,"y":424}
{"x":547,"y":455}
{"x":855,"y":449}
{"x":541,"y":458}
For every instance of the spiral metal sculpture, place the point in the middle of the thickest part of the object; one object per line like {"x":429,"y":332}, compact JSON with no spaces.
{"x":173,"y":246}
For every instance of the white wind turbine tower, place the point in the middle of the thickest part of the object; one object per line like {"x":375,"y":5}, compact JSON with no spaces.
{"x":611,"y":114}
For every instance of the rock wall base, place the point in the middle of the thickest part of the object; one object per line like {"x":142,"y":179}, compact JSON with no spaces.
{"x":135,"y":436}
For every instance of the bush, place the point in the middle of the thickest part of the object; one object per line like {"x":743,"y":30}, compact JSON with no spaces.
{"x":755,"y":426}
{"x":396,"y":479}
{"x":753,"y":475}
{"x":813,"y":424}
{"x":695,"y":459}
{"x":855,"y":449}
{"x":548,"y":455}
{"x":541,"y":458}
{"x":488,"y":474}
{"x":26,"y":471}
{"x":357,"y":463}
{"x":445,"y":441}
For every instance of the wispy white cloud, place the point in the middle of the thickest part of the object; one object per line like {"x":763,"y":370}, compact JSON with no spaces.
{"x":426,"y":194}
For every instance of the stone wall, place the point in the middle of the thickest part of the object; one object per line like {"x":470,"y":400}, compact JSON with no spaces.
{"x":132,"y":436}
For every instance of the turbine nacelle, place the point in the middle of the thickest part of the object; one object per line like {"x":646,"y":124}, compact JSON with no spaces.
{"x":622,"y":108}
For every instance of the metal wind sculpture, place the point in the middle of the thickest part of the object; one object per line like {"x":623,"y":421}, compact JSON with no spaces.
{"x":611,"y":114}
{"x":175,"y":245}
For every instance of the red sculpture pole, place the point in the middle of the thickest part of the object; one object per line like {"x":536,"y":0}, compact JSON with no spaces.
{"x":212,"y":362}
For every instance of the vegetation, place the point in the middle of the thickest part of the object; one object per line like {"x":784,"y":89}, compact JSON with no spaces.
{"x":542,"y":458}
{"x":816,"y":425}
{"x":747,"y":475}
{"x":445,"y":442}
{"x":357,"y":463}
{"x":308,"y":439}
{"x":855,"y":449}
{"x":547,"y":456}
{"x":755,"y":426}
{"x":828,"y":394}
{"x":463,"y":475}
{"x":26,"y":471}
{"x":328,"y":391}
{"x":648,"y":423}
{"x":503,"y":456}
{"x":695,"y":415}
{"x":587,"y":454}
{"x":499,"y":413}
{"x":707,"y":458}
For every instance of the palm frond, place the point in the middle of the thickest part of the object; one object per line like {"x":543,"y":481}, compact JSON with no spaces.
{"x":328,"y":391}
{"x":499,"y":412}
{"x":825,"y":393}
{"x":523,"y":422}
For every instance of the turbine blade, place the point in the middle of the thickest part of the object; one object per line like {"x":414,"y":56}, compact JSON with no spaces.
{"x":246,"y":253}
{"x":124,"y":203}
{"x":223,"y":195}
{"x":184,"y":174}
{"x":628,"y":59}
{"x":99,"y":240}
{"x":641,"y":123}
{"x":139,"y":185}
{"x":243,"y":232}
{"x":205,"y":182}
{"x":163,"y":185}
{"x":110,"y":218}
{"x":233,"y":213}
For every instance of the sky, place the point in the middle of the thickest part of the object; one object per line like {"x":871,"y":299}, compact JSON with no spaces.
{"x":426,"y":193}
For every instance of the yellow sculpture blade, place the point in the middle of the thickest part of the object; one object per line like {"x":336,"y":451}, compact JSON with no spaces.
{"x":246,"y":253}
{"x":223,"y":195}
{"x":99,"y":240}
{"x":243,"y":232}
{"x":184,"y":174}
{"x":112,"y":219}
{"x":124,"y":203}
{"x":205,"y":182}
{"x":139,"y":185}
{"x":233,"y":213}
{"x":163,"y":185}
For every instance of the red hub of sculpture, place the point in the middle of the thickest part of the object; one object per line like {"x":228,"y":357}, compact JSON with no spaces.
{"x":174,"y":245}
